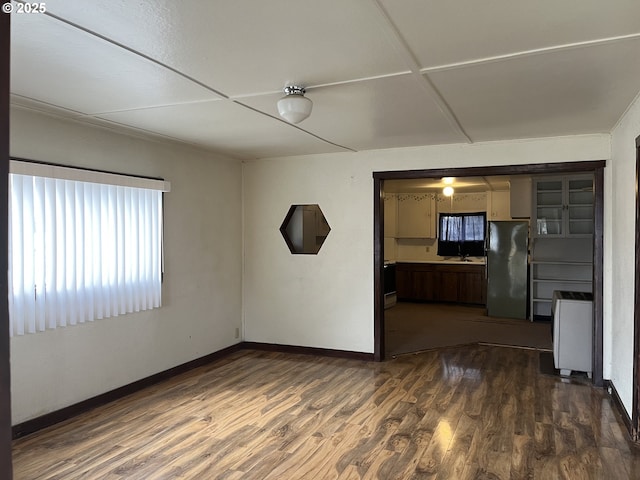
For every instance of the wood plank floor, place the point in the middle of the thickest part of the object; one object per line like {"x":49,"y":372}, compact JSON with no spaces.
{"x":473,"y":412}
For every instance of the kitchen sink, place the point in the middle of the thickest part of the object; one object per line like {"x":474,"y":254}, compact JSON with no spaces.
{"x":461,"y":262}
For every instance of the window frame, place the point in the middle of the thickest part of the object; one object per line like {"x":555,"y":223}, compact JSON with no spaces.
{"x":461,"y":247}
{"x":142,"y":204}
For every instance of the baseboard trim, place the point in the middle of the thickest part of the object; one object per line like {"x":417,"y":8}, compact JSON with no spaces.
{"x":31,"y":426}
{"x":617,"y":401}
{"x":321,"y":352}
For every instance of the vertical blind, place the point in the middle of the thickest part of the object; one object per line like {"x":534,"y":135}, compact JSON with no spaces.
{"x":461,"y":234}
{"x":80,"y":251}
{"x":462,"y":227}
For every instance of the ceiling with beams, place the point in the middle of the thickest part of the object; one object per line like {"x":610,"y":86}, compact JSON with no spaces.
{"x":381,"y":73}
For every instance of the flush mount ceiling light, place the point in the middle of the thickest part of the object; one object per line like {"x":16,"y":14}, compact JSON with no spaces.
{"x":294,"y":107}
{"x":447,"y":191}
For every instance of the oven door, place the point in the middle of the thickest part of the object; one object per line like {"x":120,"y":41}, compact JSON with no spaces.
{"x":389,"y":285}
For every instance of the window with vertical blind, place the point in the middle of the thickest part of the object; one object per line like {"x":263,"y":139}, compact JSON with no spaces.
{"x":83,"y":245}
{"x":462,"y":234}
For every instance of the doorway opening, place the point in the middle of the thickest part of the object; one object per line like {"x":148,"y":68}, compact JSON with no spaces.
{"x":594,"y":167}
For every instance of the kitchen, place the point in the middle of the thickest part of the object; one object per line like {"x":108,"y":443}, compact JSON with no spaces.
{"x":502,"y":275}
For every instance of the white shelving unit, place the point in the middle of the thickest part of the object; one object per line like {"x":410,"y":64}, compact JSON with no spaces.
{"x":548,"y":276}
{"x":563,"y":206}
{"x":562,"y":239}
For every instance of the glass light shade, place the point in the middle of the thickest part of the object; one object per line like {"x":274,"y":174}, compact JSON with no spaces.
{"x":294,"y":108}
{"x":447,"y":191}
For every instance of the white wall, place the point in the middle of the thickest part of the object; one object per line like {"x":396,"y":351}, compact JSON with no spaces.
{"x":327,"y":300}
{"x":620,"y":252}
{"x":203,"y":268}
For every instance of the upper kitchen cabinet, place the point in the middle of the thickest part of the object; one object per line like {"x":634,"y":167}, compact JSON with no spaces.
{"x":464,"y":203}
{"x":520,"y":197}
{"x":563,"y":206}
{"x":390,"y":215}
{"x":499,"y":204}
{"x":416,"y":215}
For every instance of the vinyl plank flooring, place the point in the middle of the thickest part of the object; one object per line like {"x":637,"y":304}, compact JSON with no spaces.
{"x":470,"y":412}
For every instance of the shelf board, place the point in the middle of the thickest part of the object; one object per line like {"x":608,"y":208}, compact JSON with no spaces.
{"x":560,"y":262}
{"x":560,"y":280}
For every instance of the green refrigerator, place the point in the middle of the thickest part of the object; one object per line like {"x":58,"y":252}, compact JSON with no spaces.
{"x":507,"y":259}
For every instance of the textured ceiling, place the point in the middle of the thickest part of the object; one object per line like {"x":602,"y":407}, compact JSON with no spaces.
{"x":381,"y":73}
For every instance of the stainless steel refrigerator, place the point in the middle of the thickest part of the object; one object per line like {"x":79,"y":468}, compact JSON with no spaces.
{"x":507,"y":269}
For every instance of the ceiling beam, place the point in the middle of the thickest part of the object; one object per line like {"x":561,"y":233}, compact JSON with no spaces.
{"x":530,"y":53}
{"x":423,"y":79}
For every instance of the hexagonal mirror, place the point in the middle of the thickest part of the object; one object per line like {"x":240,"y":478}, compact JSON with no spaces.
{"x":305,"y":229}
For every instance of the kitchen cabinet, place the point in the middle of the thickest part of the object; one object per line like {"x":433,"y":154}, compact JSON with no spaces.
{"x":404,"y":282}
{"x":563,"y":206}
{"x":449,"y":285}
{"x":425,"y":284}
{"x":520,"y":197}
{"x":472,"y":288}
{"x":463,"y":203}
{"x":499,"y":206}
{"x":390,"y":215}
{"x":433,"y":282}
{"x":416,"y":215}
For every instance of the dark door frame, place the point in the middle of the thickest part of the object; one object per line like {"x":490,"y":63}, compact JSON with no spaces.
{"x":597,"y":167}
{"x":5,"y":366}
{"x":635,"y":408}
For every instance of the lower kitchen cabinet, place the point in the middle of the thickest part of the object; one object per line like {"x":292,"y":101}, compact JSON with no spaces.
{"x":432,"y":282}
{"x":473,"y":288}
{"x":404,"y":283}
{"x":425,"y":284}
{"x":449,"y":286}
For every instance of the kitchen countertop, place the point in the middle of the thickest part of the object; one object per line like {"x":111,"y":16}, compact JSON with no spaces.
{"x":444,"y":262}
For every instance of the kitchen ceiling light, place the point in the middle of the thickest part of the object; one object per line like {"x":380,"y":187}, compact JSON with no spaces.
{"x":447,"y":191}
{"x":294,"y":107}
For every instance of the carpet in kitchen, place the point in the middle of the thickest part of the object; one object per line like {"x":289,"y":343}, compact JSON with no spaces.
{"x":413,"y":327}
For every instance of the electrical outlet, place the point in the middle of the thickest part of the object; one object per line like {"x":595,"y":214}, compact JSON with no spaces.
{"x":237,"y":333}
{"x":427,"y":249}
